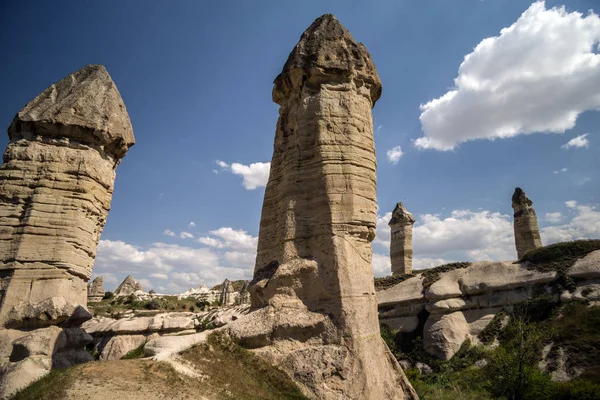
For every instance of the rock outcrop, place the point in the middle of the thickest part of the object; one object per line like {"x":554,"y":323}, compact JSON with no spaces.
{"x":314,"y":307}
{"x":128,"y":287}
{"x":56,"y":186}
{"x":96,"y":290}
{"x":114,"y":338}
{"x":462,"y":302}
{"x":244,"y":297}
{"x":527,"y":233}
{"x":227,"y":297}
{"x":401,"y":252}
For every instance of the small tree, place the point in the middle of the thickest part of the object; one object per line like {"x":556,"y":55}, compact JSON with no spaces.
{"x":108,"y":295}
{"x":512,"y":370}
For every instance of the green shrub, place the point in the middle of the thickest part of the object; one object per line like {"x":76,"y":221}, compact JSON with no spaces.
{"x":389,"y":281}
{"x":559,"y":256}
{"x":153,"y":304}
{"x":432,"y":275}
{"x":135,"y":353}
{"x":493,"y":329}
{"x":108,"y":295}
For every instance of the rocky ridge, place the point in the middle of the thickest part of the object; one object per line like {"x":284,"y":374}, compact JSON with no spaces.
{"x":462,"y":302}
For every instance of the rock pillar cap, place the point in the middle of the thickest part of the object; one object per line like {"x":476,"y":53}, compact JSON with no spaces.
{"x":85,"y":106}
{"x":327,"y":53}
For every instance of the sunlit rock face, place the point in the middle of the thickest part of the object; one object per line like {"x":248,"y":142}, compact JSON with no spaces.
{"x":527,"y":232}
{"x":401,"y":251}
{"x":56,"y":186}
{"x":315,"y":311}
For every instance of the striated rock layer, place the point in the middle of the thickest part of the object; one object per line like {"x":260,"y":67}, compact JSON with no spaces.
{"x":315,"y":311}
{"x":527,"y":233}
{"x":56,"y":185}
{"x":401,"y":251}
{"x":96,"y":290}
{"x":128,"y":287}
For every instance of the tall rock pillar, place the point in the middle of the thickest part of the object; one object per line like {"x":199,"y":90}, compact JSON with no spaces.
{"x":527,"y":232}
{"x":401,"y":251}
{"x":56,"y":186}
{"x":313,"y":299}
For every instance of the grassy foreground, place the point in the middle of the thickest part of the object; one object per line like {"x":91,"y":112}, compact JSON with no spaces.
{"x":224,"y":371}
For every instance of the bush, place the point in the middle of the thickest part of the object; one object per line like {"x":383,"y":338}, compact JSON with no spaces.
{"x":108,"y":295}
{"x":153,"y":305}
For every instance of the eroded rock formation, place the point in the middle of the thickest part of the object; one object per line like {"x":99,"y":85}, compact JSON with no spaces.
{"x":227,"y":297}
{"x":462,"y":302}
{"x":315,"y":311}
{"x":128,"y":287}
{"x":401,"y":252}
{"x":96,"y":290}
{"x":527,"y":233}
{"x":56,"y":186}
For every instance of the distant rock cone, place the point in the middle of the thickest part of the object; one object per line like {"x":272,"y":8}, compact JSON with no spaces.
{"x":313,"y":299}
{"x":401,"y":251}
{"x":127,"y":287}
{"x":527,"y":232}
{"x":96,"y":290}
{"x":56,"y":186}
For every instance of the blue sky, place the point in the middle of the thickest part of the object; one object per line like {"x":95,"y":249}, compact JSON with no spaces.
{"x":196,"y":78}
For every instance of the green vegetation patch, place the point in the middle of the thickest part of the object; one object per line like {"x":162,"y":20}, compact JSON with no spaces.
{"x":559,"y":256}
{"x":432,"y":275}
{"x":389,"y":281}
{"x":238,"y":373}
{"x":135,"y":353}
{"x":51,"y":386}
{"x":576,"y":330}
{"x":493,"y":329}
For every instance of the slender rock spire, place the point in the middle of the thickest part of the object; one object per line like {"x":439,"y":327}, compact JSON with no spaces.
{"x":527,"y":233}
{"x":313,"y":300}
{"x":56,"y":186}
{"x":401,"y":252}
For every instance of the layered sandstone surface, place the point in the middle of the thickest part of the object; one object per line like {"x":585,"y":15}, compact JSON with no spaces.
{"x":462,"y":302}
{"x":313,"y":300}
{"x":401,"y":251}
{"x":56,"y":186}
{"x":527,"y":232}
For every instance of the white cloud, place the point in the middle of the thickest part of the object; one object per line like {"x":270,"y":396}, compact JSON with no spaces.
{"x":583,"y":181}
{"x":212,"y":242}
{"x":394,"y":154}
{"x":571,"y":203}
{"x":538,"y":75}
{"x":192,"y":224}
{"x":169,"y":232}
{"x":464,"y":235}
{"x":240,"y":259}
{"x":584,"y":225}
{"x":236,"y":239}
{"x":185,"y":235}
{"x":253,"y":176}
{"x":162,"y":262}
{"x":553,"y":217}
{"x":561,"y":170}
{"x":577,"y":142}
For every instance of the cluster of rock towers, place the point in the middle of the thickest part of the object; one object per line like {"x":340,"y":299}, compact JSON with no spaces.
{"x":527,"y":233}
